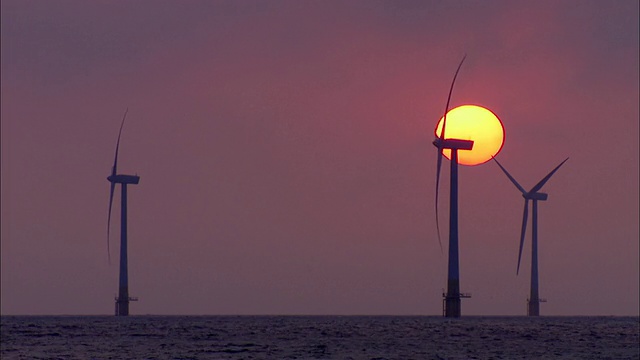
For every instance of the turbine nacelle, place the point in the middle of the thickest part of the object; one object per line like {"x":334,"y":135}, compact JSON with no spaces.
{"x":124,"y":179}
{"x":453,"y":144}
{"x":535,"y":196}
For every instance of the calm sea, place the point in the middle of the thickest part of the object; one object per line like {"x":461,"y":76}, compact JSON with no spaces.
{"x":318,"y":337}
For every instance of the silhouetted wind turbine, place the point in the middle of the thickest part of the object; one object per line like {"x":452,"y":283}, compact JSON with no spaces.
{"x":122,"y":301}
{"x":453,"y":295}
{"x":533,"y":303}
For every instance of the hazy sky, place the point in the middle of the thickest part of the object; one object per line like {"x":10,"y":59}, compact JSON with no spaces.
{"x":285,"y":154}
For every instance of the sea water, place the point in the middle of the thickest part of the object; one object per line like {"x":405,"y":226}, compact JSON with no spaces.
{"x":318,"y":337}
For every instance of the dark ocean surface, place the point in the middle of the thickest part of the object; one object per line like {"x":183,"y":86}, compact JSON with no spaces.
{"x":318,"y":337}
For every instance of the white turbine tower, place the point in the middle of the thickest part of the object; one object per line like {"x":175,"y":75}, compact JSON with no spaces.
{"x":452,"y":297}
{"x":123,"y":299}
{"x":533,"y":303}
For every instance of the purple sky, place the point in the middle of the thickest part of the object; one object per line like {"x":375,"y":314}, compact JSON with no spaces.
{"x":285,"y":154}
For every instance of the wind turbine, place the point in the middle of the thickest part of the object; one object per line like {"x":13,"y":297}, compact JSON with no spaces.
{"x":453,"y":295}
{"x":534,"y":300}
{"x":122,"y":301}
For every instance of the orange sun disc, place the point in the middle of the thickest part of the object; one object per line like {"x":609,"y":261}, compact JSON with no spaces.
{"x":472,"y":122}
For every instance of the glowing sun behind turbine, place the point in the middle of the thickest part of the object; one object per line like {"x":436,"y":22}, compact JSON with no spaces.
{"x":472,"y":122}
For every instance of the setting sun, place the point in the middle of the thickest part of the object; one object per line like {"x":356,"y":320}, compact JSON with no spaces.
{"x":472,"y":122}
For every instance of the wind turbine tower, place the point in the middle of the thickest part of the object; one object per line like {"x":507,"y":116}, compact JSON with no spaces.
{"x":534,"y":300}
{"x":452,"y":297}
{"x":473,"y":136}
{"x":123,"y":299}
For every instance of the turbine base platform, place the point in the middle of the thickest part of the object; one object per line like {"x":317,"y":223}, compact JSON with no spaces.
{"x":533,"y":306}
{"x":451,"y":304}
{"x":122,"y":305}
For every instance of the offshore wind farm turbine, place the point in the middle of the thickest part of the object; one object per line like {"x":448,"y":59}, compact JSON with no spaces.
{"x":122,"y":301}
{"x":534,"y":300}
{"x":473,"y":136}
{"x":453,"y":295}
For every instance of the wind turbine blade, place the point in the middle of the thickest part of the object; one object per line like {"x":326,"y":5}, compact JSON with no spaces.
{"x":113,"y":187}
{"x":115,"y":161}
{"x":446,"y":109}
{"x":522,"y":190}
{"x":114,"y":170}
{"x":546,"y":178}
{"x":523,"y":231}
{"x":439,"y":166}
{"x":440,"y":147}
